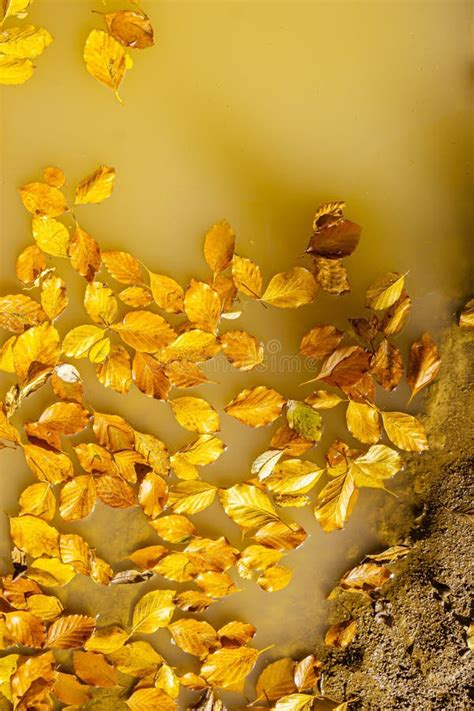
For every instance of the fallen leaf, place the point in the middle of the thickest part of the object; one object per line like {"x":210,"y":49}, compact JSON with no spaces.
{"x":423,"y":364}
{"x":256,"y":407}
{"x":405,"y":431}
{"x":106,"y":59}
{"x":385,"y":291}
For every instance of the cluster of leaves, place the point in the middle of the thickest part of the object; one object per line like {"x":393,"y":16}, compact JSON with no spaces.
{"x":105,"y":52}
{"x":19,"y":45}
{"x":122,"y":467}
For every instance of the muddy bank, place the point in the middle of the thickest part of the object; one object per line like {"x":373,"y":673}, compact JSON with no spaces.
{"x":411,"y":649}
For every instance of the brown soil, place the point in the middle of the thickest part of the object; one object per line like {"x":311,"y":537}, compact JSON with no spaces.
{"x":411,"y":650}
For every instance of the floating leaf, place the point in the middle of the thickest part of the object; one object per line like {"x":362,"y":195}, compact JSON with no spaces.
{"x":405,"y":431}
{"x":154,"y":610}
{"x":106,"y":59}
{"x":228,"y":668}
{"x":145,"y":331}
{"x":291,"y":289}
{"x":304,"y":419}
{"x":248,"y":506}
{"x":167,"y":293}
{"x":132,"y":29}
{"x":387,"y":365}
{"x":423,"y":364}
{"x":363,"y":422}
{"x":219,"y":246}
{"x":247,"y":276}
{"x":241,"y":349}
{"x":256,"y":407}
{"x":385,"y":291}
{"x":195,"y":414}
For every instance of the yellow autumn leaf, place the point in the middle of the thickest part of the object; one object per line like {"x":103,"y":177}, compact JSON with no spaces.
{"x":219,"y":244}
{"x":194,"y":637}
{"x":276,"y":680}
{"x":145,"y":331}
{"x":247,"y":276}
{"x":248,"y":506}
{"x":275,"y":578}
{"x":106,"y":59}
{"x":154,"y":610}
{"x":15,"y":71}
{"x":70,"y":631}
{"x":51,"y":236}
{"x":291,"y":289}
{"x":43,"y":200}
{"x":228,"y":668}
{"x":385,"y":291}
{"x":195,"y":415}
{"x":202,"y":305}
{"x":190,"y":497}
{"x":256,"y":407}
{"x":53,"y":297}
{"x":115,"y":371}
{"x":335,"y":502}
{"x":174,"y":528}
{"x":78,"y":342}
{"x":405,"y":431}
{"x":98,"y":185}
{"x":241,"y":349}
{"x":27,"y":42}
{"x":30,"y":263}
{"x":363,"y":421}
{"x":38,"y":500}
{"x":100,"y":303}
{"x":167,"y":293}
{"x":77,"y":498}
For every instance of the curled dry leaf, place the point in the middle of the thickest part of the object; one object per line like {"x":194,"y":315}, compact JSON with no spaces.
{"x":130,"y":28}
{"x":423,"y":364}
{"x":256,"y":407}
{"x":106,"y":59}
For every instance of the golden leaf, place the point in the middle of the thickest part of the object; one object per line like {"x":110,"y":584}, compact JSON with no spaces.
{"x":15,"y":71}
{"x":77,"y":498}
{"x":54,"y":176}
{"x":256,"y":406}
{"x":219,"y":246}
{"x":48,"y":465}
{"x":43,"y":200}
{"x":51,"y":572}
{"x":320,"y":341}
{"x":295,"y":702}
{"x":26,"y":42}
{"x":84,"y":253}
{"x":106,"y":60}
{"x":153,"y":610}
{"x":136,"y":659}
{"x":145,"y":331}
{"x":94,"y":670}
{"x":132,"y":29}
{"x":331,"y":276}
{"x":113,"y":432}
{"x":38,"y":500}
{"x":291,"y":289}
{"x":53,"y":297}
{"x":46,"y":607}
{"x":341,"y":635}
{"x":106,"y":640}
{"x":385,"y":291}
{"x":242,"y":350}
{"x":387,"y":365}
{"x":78,"y":342}
{"x":293,"y":476}
{"x":100,"y":303}
{"x":136,"y":296}
{"x":115,"y":492}
{"x":247,"y":276}
{"x":323,"y":400}
{"x":405,"y":431}
{"x":167,"y":293}
{"x":365,"y":578}
{"x":423,"y":364}
{"x":150,"y":377}
{"x":397,"y":315}
{"x":195,"y":415}
{"x":248,"y":506}
{"x":275,"y":578}
{"x":152,"y":494}
{"x":304,"y":419}
{"x":34,"y":536}
{"x":363,"y":422}
{"x":115,"y":371}
{"x":70,"y":631}
{"x":70,"y":691}
{"x":190,"y":497}
{"x":150,"y":699}
{"x":18,"y":311}
{"x":202,"y":305}
{"x":30,"y":264}
{"x":276,"y":680}
{"x":194,"y":346}
{"x":374,"y":466}
{"x":24,"y":628}
{"x":228,"y":667}
{"x":335,"y":502}
{"x":123,"y":267}
{"x":194,"y":637}
{"x":466,"y":317}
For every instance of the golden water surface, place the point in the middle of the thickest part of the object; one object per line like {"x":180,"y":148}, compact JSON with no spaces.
{"x":255,"y":111}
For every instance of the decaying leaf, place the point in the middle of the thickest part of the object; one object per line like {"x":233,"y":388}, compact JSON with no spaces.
{"x":106,"y":59}
{"x":423,"y":364}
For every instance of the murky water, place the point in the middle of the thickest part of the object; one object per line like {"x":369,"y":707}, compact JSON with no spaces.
{"x":254,"y":111}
